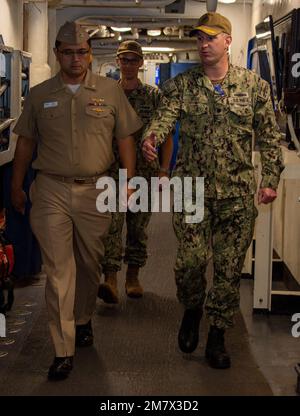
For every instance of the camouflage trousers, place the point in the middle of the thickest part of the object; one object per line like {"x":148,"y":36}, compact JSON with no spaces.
{"x":136,"y":237}
{"x":225,"y":235}
{"x":136,"y":240}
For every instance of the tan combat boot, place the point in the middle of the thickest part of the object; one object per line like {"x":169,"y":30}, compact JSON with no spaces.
{"x":108,"y":291}
{"x":132,"y":284}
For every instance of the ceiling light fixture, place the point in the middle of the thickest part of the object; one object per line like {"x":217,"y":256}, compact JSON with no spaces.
{"x":157,"y":49}
{"x":227,"y":1}
{"x":153,"y":32}
{"x":121,"y":29}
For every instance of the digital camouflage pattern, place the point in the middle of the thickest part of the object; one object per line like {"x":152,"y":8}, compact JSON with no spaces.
{"x":144,"y":100}
{"x":136,"y":240}
{"x":215,"y":137}
{"x":225,"y":233}
{"x":216,"y":142}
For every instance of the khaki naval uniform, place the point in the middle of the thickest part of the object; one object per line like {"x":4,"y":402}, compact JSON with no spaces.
{"x":74,"y":135}
{"x":216,"y":142}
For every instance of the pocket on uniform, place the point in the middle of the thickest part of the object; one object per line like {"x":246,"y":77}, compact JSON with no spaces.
{"x":196,"y":108}
{"x":52,"y":113}
{"x":196,"y":117}
{"x":241,"y":117}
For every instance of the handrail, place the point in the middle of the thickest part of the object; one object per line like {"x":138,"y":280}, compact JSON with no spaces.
{"x":3,"y":88}
{"x":4,"y":123}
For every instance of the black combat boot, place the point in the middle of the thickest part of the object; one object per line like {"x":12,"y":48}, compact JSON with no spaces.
{"x":60,"y":368}
{"x":215,"y":351}
{"x":188,"y":335}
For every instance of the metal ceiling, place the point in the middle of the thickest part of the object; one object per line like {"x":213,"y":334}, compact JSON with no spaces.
{"x":93,"y":15}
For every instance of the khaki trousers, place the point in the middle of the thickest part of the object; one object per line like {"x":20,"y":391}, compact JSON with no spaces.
{"x":70,"y":232}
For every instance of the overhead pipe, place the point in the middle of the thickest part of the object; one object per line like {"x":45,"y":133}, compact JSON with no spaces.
{"x":98,"y":43}
{"x":62,"y":4}
{"x":134,"y":25}
{"x":139,"y":22}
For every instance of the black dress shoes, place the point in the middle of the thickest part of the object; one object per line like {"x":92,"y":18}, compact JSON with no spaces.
{"x":84,"y":335}
{"x":188,"y":335}
{"x":60,"y":368}
{"x":215,"y":351}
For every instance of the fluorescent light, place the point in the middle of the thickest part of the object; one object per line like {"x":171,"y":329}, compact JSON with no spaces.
{"x":227,"y":1}
{"x":157,"y":49}
{"x":153,"y":32}
{"x":121,"y":29}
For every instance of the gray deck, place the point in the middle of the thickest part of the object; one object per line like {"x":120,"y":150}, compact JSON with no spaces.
{"x":135,"y":350}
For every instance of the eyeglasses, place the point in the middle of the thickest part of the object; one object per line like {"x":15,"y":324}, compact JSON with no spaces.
{"x":73,"y":52}
{"x":126,"y":61}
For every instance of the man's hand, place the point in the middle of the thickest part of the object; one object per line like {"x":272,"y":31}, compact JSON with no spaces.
{"x":22,"y":158}
{"x":149,"y":148}
{"x":266,"y":195}
{"x":18,"y":199}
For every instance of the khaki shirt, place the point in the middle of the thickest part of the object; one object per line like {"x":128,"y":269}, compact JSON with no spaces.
{"x":74,"y":132}
{"x":216,"y":130}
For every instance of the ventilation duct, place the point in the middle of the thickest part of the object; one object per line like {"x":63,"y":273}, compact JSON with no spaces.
{"x":177,"y":6}
{"x":211,"y":5}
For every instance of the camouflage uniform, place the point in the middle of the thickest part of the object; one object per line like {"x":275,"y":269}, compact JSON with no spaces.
{"x":144,"y":100}
{"x":215,"y":142}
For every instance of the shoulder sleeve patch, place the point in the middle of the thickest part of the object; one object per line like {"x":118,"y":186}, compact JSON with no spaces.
{"x":169,"y":87}
{"x":263,"y":92}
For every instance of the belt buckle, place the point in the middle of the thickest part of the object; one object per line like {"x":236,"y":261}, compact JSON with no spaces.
{"x":79,"y":180}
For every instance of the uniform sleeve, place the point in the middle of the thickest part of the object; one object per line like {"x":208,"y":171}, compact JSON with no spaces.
{"x":268,"y":137}
{"x":157,"y":93}
{"x":26,"y":124}
{"x":167,"y":112}
{"x":127,"y":121}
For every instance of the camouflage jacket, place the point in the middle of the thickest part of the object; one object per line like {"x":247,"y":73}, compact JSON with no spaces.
{"x":216,"y":130}
{"x":144,"y":100}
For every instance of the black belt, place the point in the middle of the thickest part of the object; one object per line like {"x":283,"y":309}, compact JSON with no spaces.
{"x":75,"y":179}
